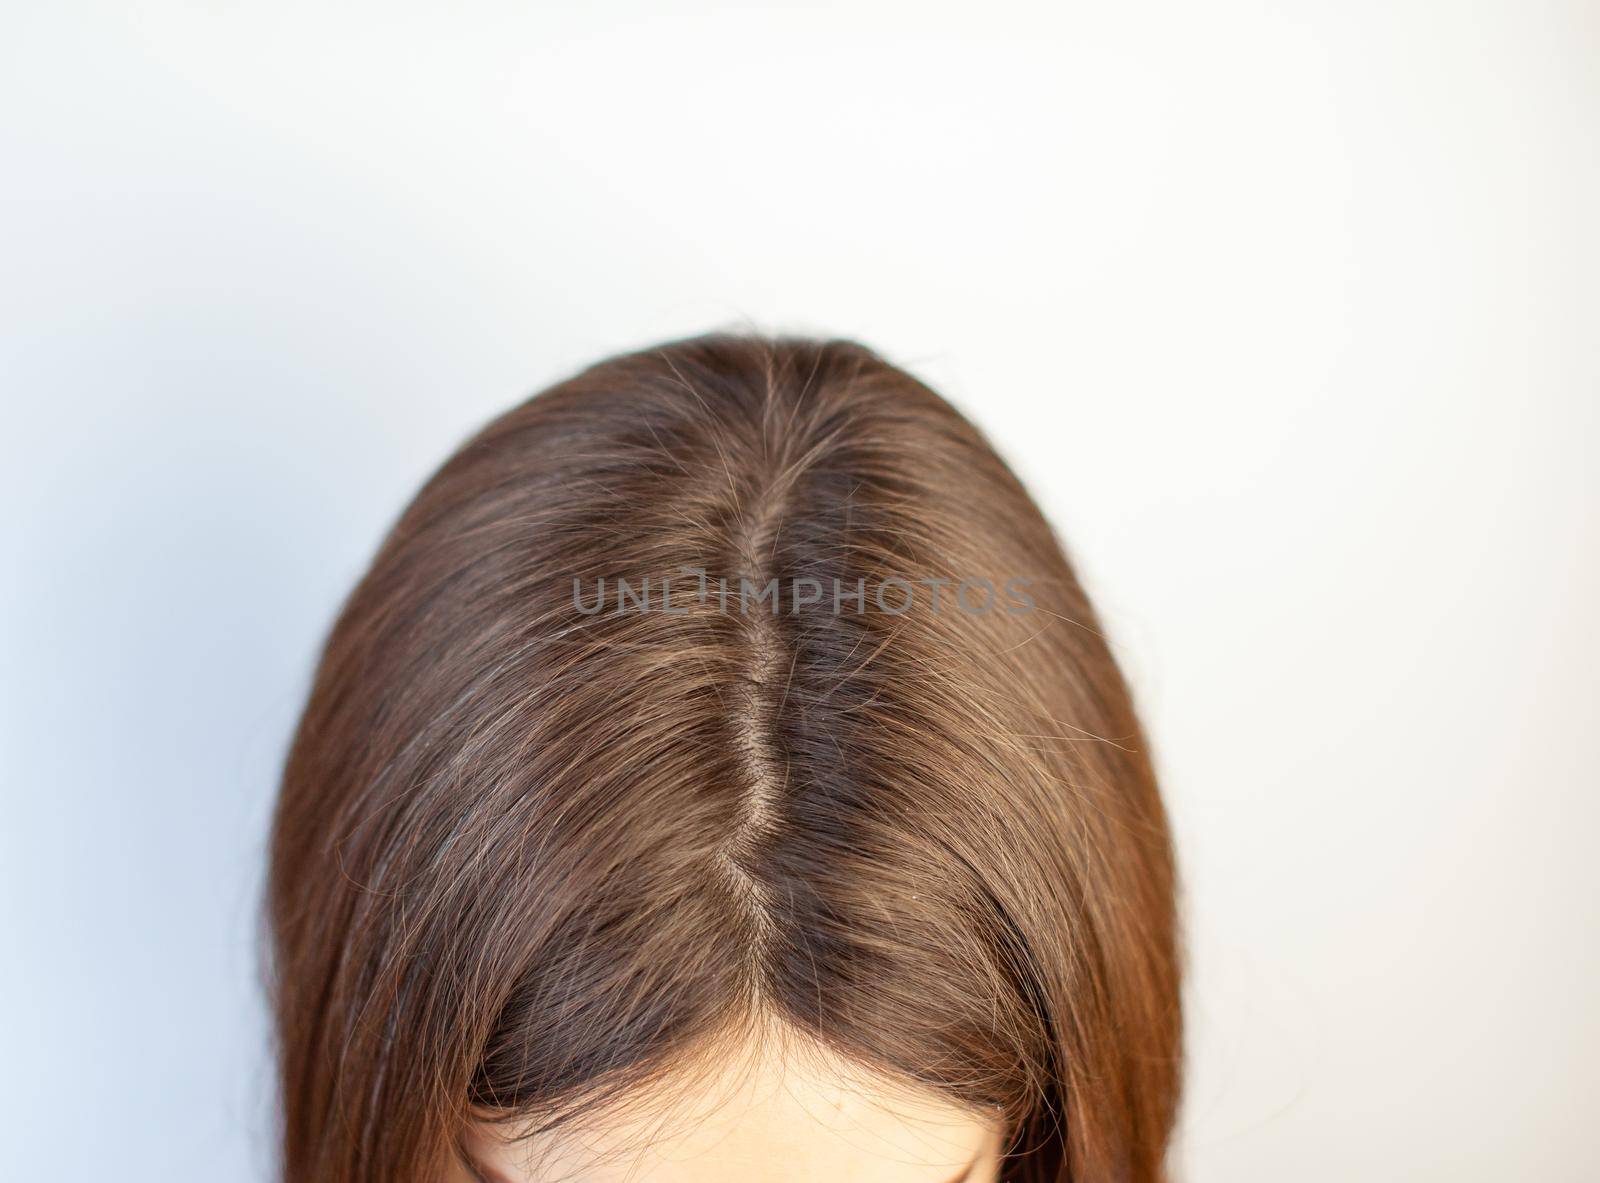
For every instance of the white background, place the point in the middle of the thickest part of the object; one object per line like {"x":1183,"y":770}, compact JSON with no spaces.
{"x":1286,"y":312}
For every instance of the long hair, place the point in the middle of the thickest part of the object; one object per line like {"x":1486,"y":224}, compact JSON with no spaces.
{"x":730,"y":683}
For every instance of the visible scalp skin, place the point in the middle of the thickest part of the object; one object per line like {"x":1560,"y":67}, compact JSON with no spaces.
{"x":527,"y":858}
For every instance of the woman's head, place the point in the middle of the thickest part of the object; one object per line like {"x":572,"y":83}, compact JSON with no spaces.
{"x":726,"y":713}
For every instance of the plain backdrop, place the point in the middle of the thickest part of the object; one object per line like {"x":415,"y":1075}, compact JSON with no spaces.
{"x":1286,"y":312}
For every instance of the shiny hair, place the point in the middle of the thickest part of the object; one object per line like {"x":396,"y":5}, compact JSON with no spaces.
{"x":729,"y":683}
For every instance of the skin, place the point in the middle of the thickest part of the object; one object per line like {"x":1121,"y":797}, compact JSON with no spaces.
{"x":764,"y":1116}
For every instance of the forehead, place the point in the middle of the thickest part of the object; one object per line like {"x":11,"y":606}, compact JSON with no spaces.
{"x":759,"y":1118}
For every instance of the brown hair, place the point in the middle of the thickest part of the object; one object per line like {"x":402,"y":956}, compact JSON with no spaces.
{"x":529,"y":851}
